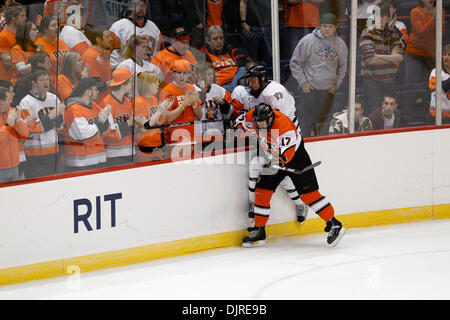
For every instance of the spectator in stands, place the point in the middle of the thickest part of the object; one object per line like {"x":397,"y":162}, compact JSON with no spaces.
{"x":319,"y":64}
{"x":301,"y":18}
{"x":15,"y":15}
{"x":187,"y":104}
{"x":444,"y":95}
{"x":26,"y":37}
{"x":41,"y":147}
{"x":149,"y":140}
{"x":72,"y":32}
{"x":72,"y":70}
{"x":96,"y":57}
{"x":381,"y":53}
{"x":229,"y":63}
{"x":178,"y":50}
{"x":339,"y":124}
{"x":136,"y":24}
{"x":86,"y":124}
{"x":49,"y":43}
{"x":119,"y":142}
{"x":395,"y":24}
{"x":39,"y":59}
{"x":217,"y":104}
{"x":421,"y":49}
{"x":8,"y":70}
{"x":387,"y":116}
{"x":3,"y":5}
{"x":256,"y":29}
{"x":12,"y":128}
{"x":137,"y":56}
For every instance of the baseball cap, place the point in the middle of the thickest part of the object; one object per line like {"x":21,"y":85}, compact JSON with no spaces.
{"x":120,"y":75}
{"x":328,"y":18}
{"x":180,"y":34}
{"x":181,"y":65}
{"x":84,"y":84}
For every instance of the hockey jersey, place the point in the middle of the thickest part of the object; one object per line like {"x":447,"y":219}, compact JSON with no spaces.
{"x":43,"y":138}
{"x":121,"y":111}
{"x":56,"y":51}
{"x":274,"y":94}
{"x":282,"y":140}
{"x":84,"y":144}
{"x":125,"y":28}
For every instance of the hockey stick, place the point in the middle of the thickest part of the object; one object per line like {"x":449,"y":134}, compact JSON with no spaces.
{"x":312,"y":166}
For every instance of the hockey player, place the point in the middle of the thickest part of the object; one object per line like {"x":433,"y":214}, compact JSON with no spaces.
{"x":285,"y":147}
{"x":258,"y":90}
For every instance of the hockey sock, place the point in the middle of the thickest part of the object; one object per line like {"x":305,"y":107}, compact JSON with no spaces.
{"x":289,"y":186}
{"x":262,"y":206}
{"x":319,"y":204}
{"x":260,"y":221}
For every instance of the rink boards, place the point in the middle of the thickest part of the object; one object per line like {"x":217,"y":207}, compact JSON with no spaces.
{"x":115,"y":218}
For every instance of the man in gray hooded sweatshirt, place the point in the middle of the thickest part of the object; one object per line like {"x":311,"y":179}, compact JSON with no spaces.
{"x":319,"y":64}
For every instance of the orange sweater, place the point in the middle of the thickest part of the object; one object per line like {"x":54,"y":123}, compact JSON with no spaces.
{"x":422,"y":39}
{"x":9,"y":141}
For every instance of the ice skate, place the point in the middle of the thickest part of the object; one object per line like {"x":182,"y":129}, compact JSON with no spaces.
{"x":336,"y":231}
{"x":256,"y":238}
{"x":302,"y":211}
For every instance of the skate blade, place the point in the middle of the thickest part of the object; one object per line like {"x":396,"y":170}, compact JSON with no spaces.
{"x":259,"y":243}
{"x":341,"y":234}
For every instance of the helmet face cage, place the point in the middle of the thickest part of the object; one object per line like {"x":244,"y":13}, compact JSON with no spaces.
{"x":258,"y":71}
{"x":263,"y":112}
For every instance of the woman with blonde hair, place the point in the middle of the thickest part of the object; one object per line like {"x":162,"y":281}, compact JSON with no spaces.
{"x":137,"y":54}
{"x":150,"y":114}
{"x":72,"y":70}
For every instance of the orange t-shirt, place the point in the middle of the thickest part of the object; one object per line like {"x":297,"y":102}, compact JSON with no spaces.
{"x":305,"y":14}
{"x":65,"y":87}
{"x":7,"y":39}
{"x":19,"y":55}
{"x":188,"y":113}
{"x":56,"y":51}
{"x":99,"y":66}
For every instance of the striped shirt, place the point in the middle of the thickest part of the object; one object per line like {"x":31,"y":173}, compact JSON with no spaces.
{"x":374,"y":41}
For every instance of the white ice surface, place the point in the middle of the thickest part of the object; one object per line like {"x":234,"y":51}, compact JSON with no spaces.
{"x":405,"y":261}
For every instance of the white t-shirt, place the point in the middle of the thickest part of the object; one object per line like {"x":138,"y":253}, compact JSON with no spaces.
{"x":136,"y":68}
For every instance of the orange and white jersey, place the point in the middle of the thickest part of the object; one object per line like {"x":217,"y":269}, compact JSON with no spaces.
{"x":445,"y":97}
{"x":84,"y":144}
{"x":121,"y":111}
{"x":125,"y":28}
{"x":282,"y":139}
{"x":42,"y":140}
{"x":75,"y":39}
